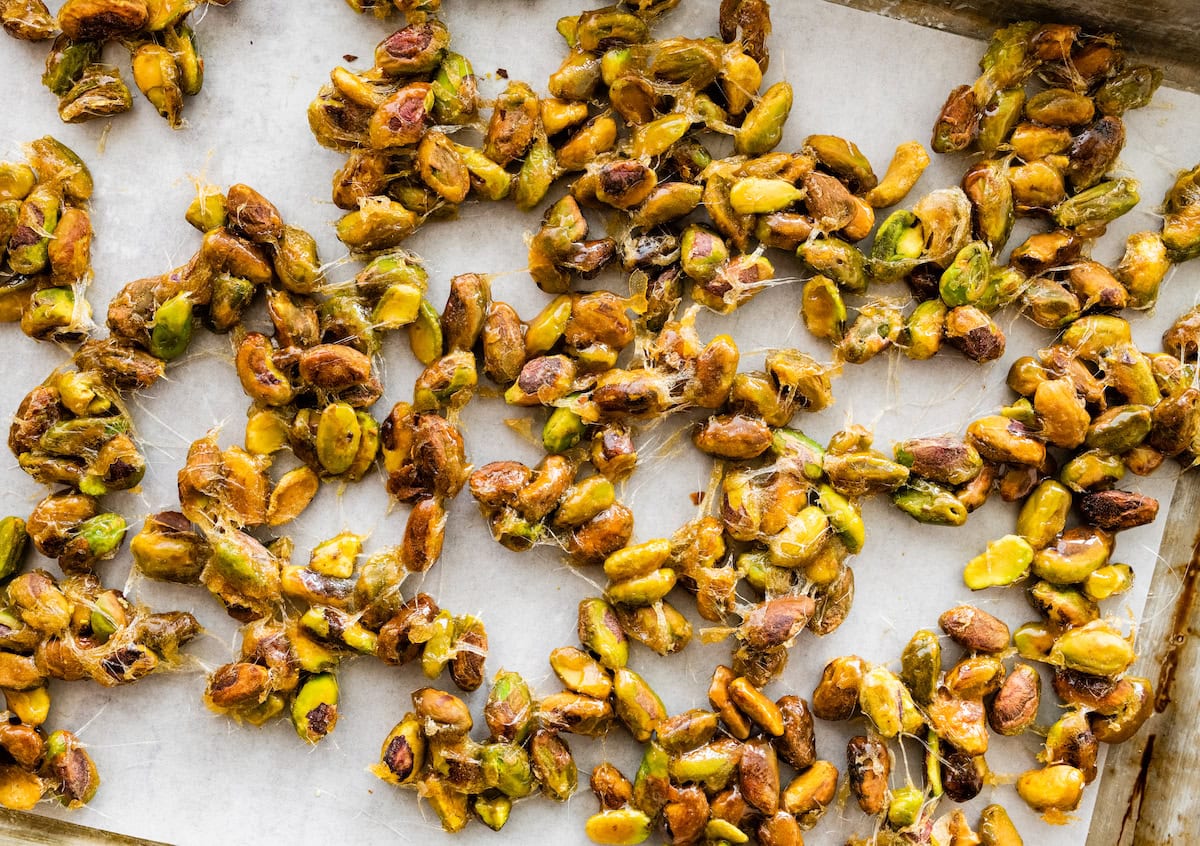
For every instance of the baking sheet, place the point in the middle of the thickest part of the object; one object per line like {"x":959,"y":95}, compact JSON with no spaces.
{"x":171,"y":770}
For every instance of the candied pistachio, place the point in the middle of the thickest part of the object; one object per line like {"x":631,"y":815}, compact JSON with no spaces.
{"x":619,"y":827}
{"x":601,"y":633}
{"x":998,"y":119}
{"x":553,"y":765}
{"x":823,"y":310}
{"x":928,"y":502}
{"x":921,"y":666}
{"x":906,"y":167}
{"x":1116,"y":510}
{"x":836,"y":695}
{"x":450,"y":804}
{"x":1054,"y":788}
{"x":402,"y":755}
{"x":658,"y":627}
{"x":53,"y":161}
{"x":37,"y":219}
{"x":180,"y":39}
{"x":70,"y":766}
{"x":1108,"y":580}
{"x":99,"y":92}
{"x":417,"y":48}
{"x":314,"y":710}
{"x":27,"y":20}
{"x":1096,"y":648}
{"x":687,"y":731}
{"x":887,"y":703}
{"x":1131,"y":712}
{"x":996,"y":828}
{"x":713,"y":765}
{"x":868,"y":766}
{"x":958,"y":123}
{"x":82,"y":20}
{"x":925,"y":329}
{"x":974,"y":629}
{"x":379,"y":223}
{"x":990,"y":191}
{"x":1015,"y":705}
{"x":156,"y":74}
{"x":1098,"y":205}
{"x":811,"y":792}
{"x":509,"y":711}
{"x":1064,"y":607}
{"x":1037,"y":185}
{"x":69,"y":251}
{"x":1132,"y":87}
{"x":636,"y":704}
{"x":762,"y":128}
{"x":878,"y":327}
{"x":944,"y":460}
{"x":1005,"y":561}
{"x":961,"y":774}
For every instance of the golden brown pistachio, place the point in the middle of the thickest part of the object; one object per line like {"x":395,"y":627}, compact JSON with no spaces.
{"x":868,"y":765}
{"x":958,"y":123}
{"x":28,"y":20}
{"x":612,"y":789}
{"x":1057,"y":787}
{"x":86,"y":20}
{"x":974,"y":629}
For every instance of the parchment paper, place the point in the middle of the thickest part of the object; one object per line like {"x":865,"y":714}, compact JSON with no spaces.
{"x":173,"y":771}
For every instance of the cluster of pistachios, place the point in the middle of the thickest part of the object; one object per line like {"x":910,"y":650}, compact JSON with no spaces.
{"x":166,"y":63}
{"x":46,"y":243}
{"x":291,"y":656}
{"x":695,"y":786}
{"x":1092,"y":406}
{"x":547,"y":504}
{"x":401,"y":168}
{"x":1052,"y":156}
{"x":431,"y":750}
{"x":944,"y":249}
{"x":655,"y":173}
{"x":685,"y":764}
{"x":1085,"y":74}
{"x":1110,"y":408}
{"x":1047,"y":158}
{"x":955,"y":710}
{"x":312,"y":379}
{"x":290,"y":665}
{"x":69,"y":630}
{"x":73,"y":430}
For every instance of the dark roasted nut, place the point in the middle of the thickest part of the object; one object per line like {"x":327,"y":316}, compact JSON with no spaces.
{"x":797,"y":744}
{"x":962,"y":774}
{"x":1116,"y":510}
{"x":958,"y":123}
{"x":974,"y":629}
{"x":1015,"y":705}
{"x":868,"y":766}
{"x":252,"y":215}
{"x":612,"y":789}
{"x":836,"y":695}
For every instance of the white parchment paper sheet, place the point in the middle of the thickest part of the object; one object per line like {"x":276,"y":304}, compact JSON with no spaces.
{"x":173,"y":771}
